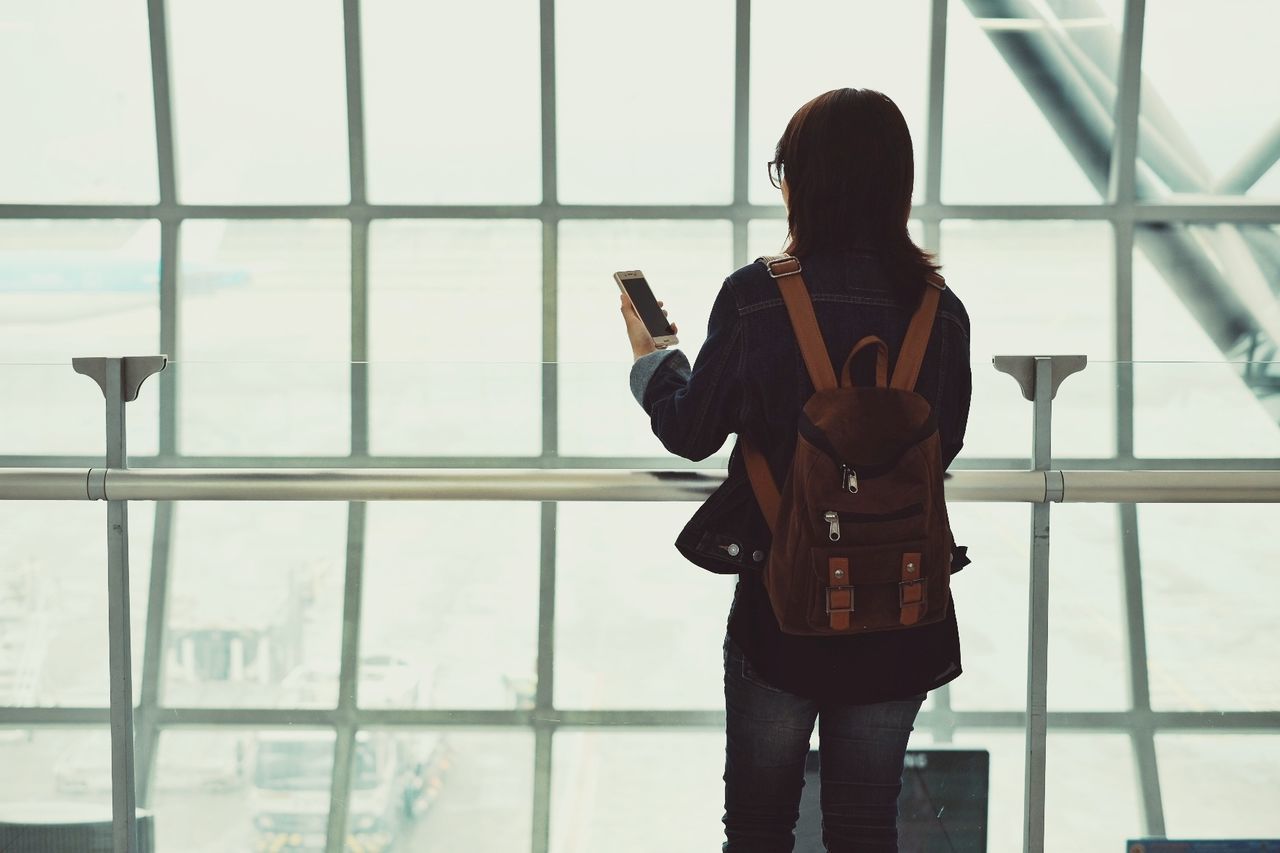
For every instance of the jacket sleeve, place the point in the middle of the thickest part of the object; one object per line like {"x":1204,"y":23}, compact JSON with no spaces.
{"x":693,"y":411}
{"x":956,"y":392}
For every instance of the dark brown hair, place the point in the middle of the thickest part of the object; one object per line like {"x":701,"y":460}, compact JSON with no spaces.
{"x":847,"y":160}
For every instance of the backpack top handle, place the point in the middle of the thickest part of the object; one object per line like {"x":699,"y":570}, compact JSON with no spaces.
{"x":882,"y":362}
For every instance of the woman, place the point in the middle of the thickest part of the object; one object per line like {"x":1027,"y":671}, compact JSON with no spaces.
{"x":845,"y":168}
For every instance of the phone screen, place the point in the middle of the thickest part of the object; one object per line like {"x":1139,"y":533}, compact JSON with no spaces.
{"x":647,"y":306}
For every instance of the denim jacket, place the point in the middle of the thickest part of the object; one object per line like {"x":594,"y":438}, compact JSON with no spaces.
{"x":749,"y":379}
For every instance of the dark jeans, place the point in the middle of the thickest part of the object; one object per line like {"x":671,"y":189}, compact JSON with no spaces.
{"x":862,"y":749}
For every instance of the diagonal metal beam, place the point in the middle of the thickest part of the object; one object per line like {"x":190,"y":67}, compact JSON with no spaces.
{"x":1255,"y":163}
{"x":1043,"y":62}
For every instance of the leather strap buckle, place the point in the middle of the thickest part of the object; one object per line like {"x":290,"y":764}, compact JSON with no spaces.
{"x":833,"y":608}
{"x":777,"y":262}
{"x":911,"y":592}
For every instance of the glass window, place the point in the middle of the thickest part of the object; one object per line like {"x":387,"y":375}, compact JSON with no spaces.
{"x":459,"y":123}
{"x":53,"y":601}
{"x":999,"y":145}
{"x":1090,"y":789}
{"x":239,"y":789}
{"x":451,"y":374}
{"x":1088,"y":643}
{"x":266,"y":337}
{"x":436,"y":631}
{"x":858,"y":44}
{"x":255,"y":604}
{"x":1091,"y":792}
{"x":991,"y":606}
{"x":68,"y":289}
{"x":1007,"y":748}
{"x":608,"y":787}
{"x":652,"y":614}
{"x":1219,"y":785}
{"x":766,"y":237}
{"x":76,"y":103}
{"x":1204,"y":121}
{"x":685,"y":264}
{"x":460,"y":791}
{"x":1212,"y":407}
{"x":644,"y":101}
{"x":1009,"y":274}
{"x":259,"y":94}
{"x":1202,"y":633}
{"x":69,"y":767}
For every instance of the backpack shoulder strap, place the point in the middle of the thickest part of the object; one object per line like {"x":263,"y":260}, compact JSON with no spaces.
{"x":795,"y":295}
{"x":911,"y":356}
{"x":813,"y":349}
{"x":763,"y":486}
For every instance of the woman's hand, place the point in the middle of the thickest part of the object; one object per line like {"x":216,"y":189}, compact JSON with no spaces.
{"x":641,"y":341}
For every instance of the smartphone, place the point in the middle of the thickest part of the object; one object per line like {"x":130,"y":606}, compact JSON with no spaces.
{"x":632,"y":283}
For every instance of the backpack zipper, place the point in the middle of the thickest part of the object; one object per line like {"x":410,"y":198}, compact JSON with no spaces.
{"x":833,"y":518}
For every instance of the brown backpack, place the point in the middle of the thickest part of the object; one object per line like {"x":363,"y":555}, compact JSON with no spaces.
{"x":861,"y":540}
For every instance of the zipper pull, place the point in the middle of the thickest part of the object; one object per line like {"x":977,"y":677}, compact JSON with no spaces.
{"x":848,"y":479}
{"x":833,"y":519}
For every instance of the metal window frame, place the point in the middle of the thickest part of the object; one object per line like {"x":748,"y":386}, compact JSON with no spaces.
{"x":1121,"y":209}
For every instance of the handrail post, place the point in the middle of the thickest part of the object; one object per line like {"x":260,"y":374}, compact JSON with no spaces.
{"x":1039,"y":377}
{"x":120,"y":379}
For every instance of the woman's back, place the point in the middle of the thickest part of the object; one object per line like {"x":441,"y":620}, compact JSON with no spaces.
{"x":844,"y":166}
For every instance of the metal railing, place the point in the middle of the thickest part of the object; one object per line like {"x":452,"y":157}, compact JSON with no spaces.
{"x":121,"y":378}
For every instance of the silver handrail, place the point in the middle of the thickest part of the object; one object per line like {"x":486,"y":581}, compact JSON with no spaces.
{"x":537,"y":484}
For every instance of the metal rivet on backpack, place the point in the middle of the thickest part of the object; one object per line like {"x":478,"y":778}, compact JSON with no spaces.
{"x":911,"y":567}
{"x":758,"y":556}
{"x":839,"y":573}
{"x":732,"y":549}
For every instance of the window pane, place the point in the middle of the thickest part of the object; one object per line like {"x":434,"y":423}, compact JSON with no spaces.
{"x":436,"y":632}
{"x":663,"y":618}
{"x":1202,"y":635}
{"x":991,"y":606}
{"x":1088,"y":645}
{"x":451,"y":374}
{"x":68,"y":289}
{"x":259,"y":94}
{"x":459,"y":123}
{"x":1090,"y":789}
{"x":237,"y":789}
{"x":1091,"y":793}
{"x":685,"y":264}
{"x":766,"y":237}
{"x":1216,"y":407}
{"x":262,"y":303}
{"x":255,"y":604}
{"x":1035,"y":288}
{"x":999,"y":146}
{"x":645,"y":106}
{"x":608,"y":788}
{"x":62,"y":768}
{"x":1005,"y":790}
{"x":1220,"y":785}
{"x":857,"y":43}
{"x":1203,"y":119}
{"x":53,"y":601}
{"x":476,"y":792}
{"x":76,"y":103}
